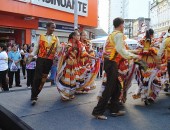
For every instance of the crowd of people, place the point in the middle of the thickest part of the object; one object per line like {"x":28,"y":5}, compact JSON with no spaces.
{"x":13,"y":59}
{"x":74,"y":66}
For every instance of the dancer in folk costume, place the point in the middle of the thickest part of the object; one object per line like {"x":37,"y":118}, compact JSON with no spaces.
{"x":149,"y":81}
{"x":126,"y":69}
{"x":87,"y":64}
{"x":164,"y":56}
{"x":45,"y":49}
{"x":69,"y":77}
{"x":115,"y":51}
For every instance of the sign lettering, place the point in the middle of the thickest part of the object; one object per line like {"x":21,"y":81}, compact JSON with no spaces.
{"x":64,"y":5}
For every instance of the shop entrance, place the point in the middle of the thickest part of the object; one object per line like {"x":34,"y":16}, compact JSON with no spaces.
{"x":11,"y":36}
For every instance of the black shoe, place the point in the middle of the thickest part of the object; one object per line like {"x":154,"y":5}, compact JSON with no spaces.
{"x":10,"y":86}
{"x":35,"y":98}
{"x":18,"y":85}
{"x":146,"y":102}
{"x":151,"y":101}
{"x":48,"y":80}
{"x":166,"y":89}
{"x":52,"y":83}
{"x":33,"y":102}
{"x":24,"y":77}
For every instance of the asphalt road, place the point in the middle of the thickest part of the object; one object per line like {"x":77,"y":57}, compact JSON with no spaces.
{"x":50,"y":113}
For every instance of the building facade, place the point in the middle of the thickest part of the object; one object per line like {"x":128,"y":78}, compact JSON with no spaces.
{"x":128,"y":25}
{"x":117,"y":8}
{"x":23,"y":20}
{"x":140,"y":26}
{"x":159,"y":14}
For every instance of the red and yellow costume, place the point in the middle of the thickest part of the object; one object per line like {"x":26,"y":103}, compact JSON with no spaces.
{"x":149,"y":81}
{"x":88,"y":64}
{"x":70,"y":70}
{"x":125,"y":67}
{"x":44,"y":47}
{"x":45,"y":50}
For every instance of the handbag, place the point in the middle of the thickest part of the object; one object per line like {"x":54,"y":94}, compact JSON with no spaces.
{"x":13,"y":67}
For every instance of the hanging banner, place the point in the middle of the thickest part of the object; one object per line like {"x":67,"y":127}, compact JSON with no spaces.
{"x":64,"y":5}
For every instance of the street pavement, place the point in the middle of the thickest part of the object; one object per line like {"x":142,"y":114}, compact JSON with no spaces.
{"x":50,"y":113}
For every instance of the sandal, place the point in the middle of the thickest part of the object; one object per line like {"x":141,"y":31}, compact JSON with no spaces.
{"x":64,"y":99}
{"x":100,"y":117}
{"x":72,"y":97}
{"x":136,"y":96}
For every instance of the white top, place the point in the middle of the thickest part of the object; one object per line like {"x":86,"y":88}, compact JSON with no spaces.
{"x":3,"y":61}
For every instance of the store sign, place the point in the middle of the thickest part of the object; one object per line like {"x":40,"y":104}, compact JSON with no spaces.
{"x":58,"y":27}
{"x":64,"y":5}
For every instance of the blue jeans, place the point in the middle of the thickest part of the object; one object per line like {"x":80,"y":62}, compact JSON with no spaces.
{"x":53,"y":72}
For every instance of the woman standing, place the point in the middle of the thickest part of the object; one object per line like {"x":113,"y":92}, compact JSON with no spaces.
{"x":23,"y":64}
{"x":69,"y":68}
{"x":149,"y":81}
{"x":3,"y":67}
{"x":30,"y":67}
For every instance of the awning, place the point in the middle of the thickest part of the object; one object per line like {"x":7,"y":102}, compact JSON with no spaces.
{"x":97,"y":31}
{"x":99,"y":40}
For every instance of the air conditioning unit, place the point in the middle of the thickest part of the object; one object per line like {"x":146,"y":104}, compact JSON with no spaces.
{"x":29,"y":18}
{"x":26,"y":1}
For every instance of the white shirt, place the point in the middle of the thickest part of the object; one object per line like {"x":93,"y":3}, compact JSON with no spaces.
{"x":3,"y":61}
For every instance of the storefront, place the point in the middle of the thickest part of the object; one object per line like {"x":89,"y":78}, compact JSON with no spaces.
{"x":23,"y":20}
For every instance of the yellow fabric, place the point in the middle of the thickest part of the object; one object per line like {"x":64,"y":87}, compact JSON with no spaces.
{"x":45,"y":46}
{"x":167,"y":47}
{"x":146,"y":45}
{"x":110,"y":50}
{"x":167,"y":44}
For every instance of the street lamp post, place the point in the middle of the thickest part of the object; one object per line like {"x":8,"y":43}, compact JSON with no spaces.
{"x":75,"y":14}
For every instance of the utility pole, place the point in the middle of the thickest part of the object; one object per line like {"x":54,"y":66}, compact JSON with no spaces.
{"x":75,"y":14}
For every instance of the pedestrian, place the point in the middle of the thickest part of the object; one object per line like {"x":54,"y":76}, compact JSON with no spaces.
{"x":14,"y":66}
{"x":9,"y":49}
{"x":100,"y":55}
{"x":53,"y":72}
{"x":45,"y":49}
{"x":23,"y":51}
{"x":3,"y":67}
{"x":30,"y":66}
{"x":115,"y":50}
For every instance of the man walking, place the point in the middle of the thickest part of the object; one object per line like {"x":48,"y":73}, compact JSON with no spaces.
{"x":115,"y":50}
{"x":45,"y":49}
